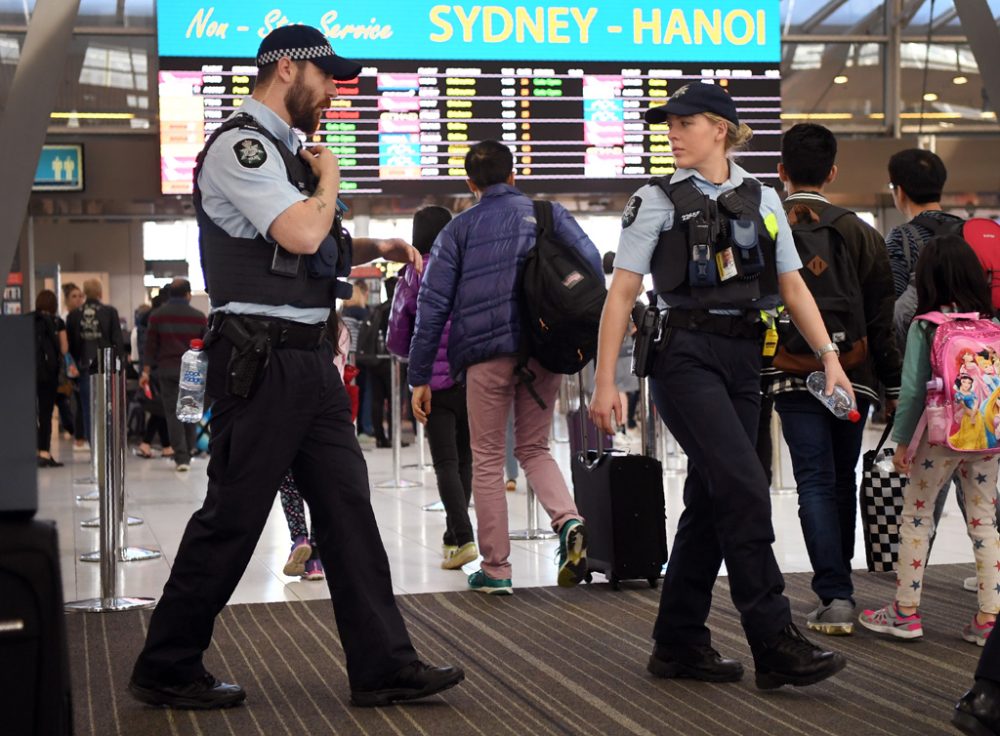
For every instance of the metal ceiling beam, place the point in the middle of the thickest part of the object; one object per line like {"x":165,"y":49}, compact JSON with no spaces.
{"x":984,"y":40}
{"x":944,"y":19}
{"x":26,"y":115}
{"x":821,"y":15}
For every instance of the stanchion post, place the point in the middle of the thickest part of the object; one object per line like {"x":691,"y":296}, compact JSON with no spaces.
{"x":778,"y":485}
{"x":90,"y":480}
{"x":109,"y":443}
{"x":397,"y":431}
{"x":532,"y":532}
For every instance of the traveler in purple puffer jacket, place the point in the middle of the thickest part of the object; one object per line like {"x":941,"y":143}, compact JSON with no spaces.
{"x":448,"y":427}
{"x":473,"y":279}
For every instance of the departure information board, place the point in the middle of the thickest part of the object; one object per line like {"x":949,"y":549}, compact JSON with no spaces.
{"x":437,"y":78}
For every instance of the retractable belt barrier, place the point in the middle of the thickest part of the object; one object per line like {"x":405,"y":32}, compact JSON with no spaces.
{"x":397,"y":430}
{"x":108,"y":442}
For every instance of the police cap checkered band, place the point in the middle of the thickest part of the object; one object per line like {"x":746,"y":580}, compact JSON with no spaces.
{"x":305,"y":43}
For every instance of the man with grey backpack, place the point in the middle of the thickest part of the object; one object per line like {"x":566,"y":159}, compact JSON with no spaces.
{"x":916,"y":180}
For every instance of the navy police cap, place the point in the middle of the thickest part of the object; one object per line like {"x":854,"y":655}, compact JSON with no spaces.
{"x":305,"y":43}
{"x":695,"y":98}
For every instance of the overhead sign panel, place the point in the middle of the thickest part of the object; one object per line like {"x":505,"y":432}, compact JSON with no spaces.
{"x":564,"y":86}
{"x":60,"y":169}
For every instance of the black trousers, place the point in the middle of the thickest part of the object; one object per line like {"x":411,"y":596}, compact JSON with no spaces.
{"x":707,"y":389}
{"x":448,"y":436}
{"x":182,"y":434}
{"x":46,"y":393}
{"x":379,"y":378}
{"x":298,"y":418}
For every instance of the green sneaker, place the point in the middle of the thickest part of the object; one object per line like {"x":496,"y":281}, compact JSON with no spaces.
{"x":572,"y":553}
{"x":480,"y":582}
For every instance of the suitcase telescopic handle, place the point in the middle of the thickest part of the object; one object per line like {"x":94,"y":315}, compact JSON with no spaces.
{"x":584,"y":417}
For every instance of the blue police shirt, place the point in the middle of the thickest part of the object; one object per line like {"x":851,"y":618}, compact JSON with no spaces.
{"x":651,"y":212}
{"x":245,"y":199}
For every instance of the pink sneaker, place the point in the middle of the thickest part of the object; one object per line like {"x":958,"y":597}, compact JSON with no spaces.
{"x":301,"y":551}
{"x":977,"y":633}
{"x":314,"y":570}
{"x":890,"y":621}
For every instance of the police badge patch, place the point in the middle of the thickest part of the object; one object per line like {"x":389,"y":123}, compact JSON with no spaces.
{"x":250,"y":153}
{"x":630,"y":211}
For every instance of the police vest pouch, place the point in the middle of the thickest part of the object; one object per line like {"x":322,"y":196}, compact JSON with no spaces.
{"x":751,"y":257}
{"x":284,"y":263}
{"x":702,"y":271}
{"x":323,"y":263}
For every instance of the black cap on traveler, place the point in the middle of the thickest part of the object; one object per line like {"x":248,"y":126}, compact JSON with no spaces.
{"x":305,"y":43}
{"x":695,"y":98}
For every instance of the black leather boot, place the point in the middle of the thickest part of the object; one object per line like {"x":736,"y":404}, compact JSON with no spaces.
{"x":415,"y":680}
{"x":978,"y":712}
{"x":788,"y":658}
{"x":693,"y":663}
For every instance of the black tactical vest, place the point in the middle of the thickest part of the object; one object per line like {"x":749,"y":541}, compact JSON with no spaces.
{"x":690,"y":256}
{"x":240,"y":269}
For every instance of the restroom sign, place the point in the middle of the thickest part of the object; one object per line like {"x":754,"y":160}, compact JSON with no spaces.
{"x":60,"y":169}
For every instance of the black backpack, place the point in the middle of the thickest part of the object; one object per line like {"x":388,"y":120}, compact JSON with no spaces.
{"x":561,"y":299}
{"x":371,"y":337}
{"x":829,"y":271}
{"x":47,"y":354}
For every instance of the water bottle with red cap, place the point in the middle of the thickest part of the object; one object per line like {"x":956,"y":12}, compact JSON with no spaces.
{"x":839,"y":402}
{"x":191,"y":390}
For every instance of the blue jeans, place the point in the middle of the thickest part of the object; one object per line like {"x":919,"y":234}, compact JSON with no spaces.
{"x":824,"y":452}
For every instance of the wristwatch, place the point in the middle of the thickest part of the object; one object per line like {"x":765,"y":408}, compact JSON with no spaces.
{"x":830,"y":347}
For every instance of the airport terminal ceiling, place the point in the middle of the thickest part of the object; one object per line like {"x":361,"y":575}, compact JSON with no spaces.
{"x":832,"y":63}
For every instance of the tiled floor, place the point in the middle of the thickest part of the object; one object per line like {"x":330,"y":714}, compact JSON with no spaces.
{"x":165,"y":500}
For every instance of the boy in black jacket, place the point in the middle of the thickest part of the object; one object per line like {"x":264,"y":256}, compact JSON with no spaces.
{"x":823,"y":448}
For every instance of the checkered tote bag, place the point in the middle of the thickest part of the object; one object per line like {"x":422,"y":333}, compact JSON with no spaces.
{"x":881,"y":500}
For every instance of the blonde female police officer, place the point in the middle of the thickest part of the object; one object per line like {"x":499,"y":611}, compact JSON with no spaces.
{"x":719,"y":249}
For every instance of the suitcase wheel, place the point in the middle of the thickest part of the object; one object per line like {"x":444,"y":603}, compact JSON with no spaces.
{"x":653,"y":580}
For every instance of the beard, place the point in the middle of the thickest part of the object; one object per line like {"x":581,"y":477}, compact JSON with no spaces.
{"x":303,"y":108}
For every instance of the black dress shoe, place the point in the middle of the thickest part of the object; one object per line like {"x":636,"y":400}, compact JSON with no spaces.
{"x":202,"y":694}
{"x":415,"y":680}
{"x":788,"y":658}
{"x":978,"y":712}
{"x":693,"y":663}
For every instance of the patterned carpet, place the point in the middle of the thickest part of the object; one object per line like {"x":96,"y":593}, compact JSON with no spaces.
{"x":545,"y":661}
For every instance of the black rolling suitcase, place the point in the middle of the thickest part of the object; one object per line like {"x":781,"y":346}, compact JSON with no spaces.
{"x":620,"y":496}
{"x":34,"y":673}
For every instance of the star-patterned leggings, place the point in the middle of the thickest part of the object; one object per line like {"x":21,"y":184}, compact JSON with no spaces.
{"x":295,"y":509}
{"x":932,"y":466}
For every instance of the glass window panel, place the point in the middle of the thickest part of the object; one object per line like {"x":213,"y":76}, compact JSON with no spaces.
{"x":135,"y":14}
{"x":797,"y":13}
{"x":809,"y":91}
{"x":106,"y":82}
{"x":955,"y":100}
{"x":855,"y":16}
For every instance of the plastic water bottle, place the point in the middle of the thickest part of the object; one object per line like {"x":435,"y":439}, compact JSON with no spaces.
{"x":839,"y":402}
{"x":191,"y":393}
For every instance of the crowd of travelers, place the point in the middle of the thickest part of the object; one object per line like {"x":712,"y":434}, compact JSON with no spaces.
{"x":728,"y":262}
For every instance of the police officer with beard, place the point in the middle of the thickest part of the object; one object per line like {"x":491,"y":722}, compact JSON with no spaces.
{"x":272,"y":249}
